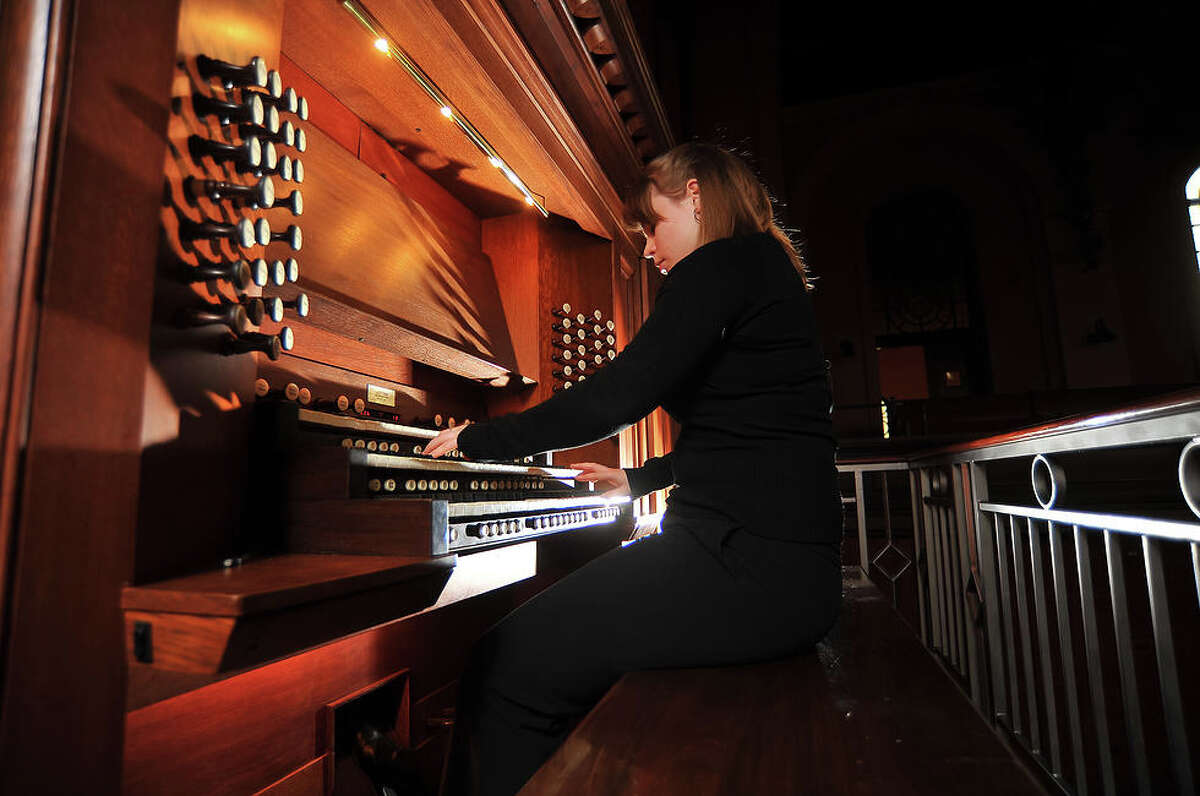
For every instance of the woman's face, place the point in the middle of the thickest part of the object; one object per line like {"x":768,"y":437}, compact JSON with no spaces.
{"x":677,"y":234}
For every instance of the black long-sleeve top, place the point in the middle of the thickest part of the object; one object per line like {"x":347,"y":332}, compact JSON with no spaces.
{"x":731,"y":351}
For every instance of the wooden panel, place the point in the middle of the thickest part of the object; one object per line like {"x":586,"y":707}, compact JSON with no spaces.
{"x":62,"y":646}
{"x":244,"y":731}
{"x":319,"y":345}
{"x":512,"y":243}
{"x":33,"y":46}
{"x":271,"y":584}
{"x":380,"y":251}
{"x":310,"y":779}
{"x":331,"y":46}
{"x":869,"y":712}
{"x":452,"y":215}
{"x":216,"y":644}
{"x":325,"y":112}
{"x":360,"y":526}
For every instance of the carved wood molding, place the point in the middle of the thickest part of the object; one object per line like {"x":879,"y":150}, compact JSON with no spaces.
{"x":499,"y":46}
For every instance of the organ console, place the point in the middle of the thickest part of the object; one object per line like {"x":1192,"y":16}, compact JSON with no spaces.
{"x":260,"y":500}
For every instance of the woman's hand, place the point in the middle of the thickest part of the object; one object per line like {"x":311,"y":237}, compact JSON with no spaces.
{"x":613,"y":479}
{"x":445,"y":441}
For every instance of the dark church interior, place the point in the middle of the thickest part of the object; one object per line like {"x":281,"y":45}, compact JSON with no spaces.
{"x":265,"y":263}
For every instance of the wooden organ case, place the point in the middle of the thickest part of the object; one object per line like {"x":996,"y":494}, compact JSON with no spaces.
{"x":287,"y":267}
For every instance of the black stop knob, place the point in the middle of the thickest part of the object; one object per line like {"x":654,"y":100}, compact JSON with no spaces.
{"x":270,"y":344}
{"x":230,"y":75}
{"x":238,"y":273}
{"x":293,"y":201}
{"x":274,"y":308}
{"x":254,"y":310}
{"x":291,"y":236}
{"x":232,"y":315}
{"x":250,"y":109}
{"x":299,"y":304}
{"x":260,"y":194}
{"x":246,"y":156}
{"x":244,"y":233}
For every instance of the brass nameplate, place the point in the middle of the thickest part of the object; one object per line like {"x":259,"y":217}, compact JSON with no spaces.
{"x":381,"y":395}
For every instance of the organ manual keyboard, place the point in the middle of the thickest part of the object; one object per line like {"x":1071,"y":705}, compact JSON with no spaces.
{"x":357,"y":484}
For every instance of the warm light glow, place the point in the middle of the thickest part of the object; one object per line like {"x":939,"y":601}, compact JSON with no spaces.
{"x":884,"y":414}
{"x":382,"y":41}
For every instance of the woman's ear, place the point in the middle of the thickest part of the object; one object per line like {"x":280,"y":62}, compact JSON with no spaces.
{"x":692,"y":190}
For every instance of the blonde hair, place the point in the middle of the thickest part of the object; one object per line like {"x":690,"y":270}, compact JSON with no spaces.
{"x":735,"y":200}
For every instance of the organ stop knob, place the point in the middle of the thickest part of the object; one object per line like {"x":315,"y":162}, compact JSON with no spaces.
{"x":270,"y":344}
{"x":231,"y":75}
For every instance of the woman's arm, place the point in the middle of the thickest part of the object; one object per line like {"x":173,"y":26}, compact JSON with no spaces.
{"x":698,"y":301}
{"x":655,"y":474}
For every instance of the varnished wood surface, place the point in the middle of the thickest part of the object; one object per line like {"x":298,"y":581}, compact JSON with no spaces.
{"x":374,"y":248}
{"x":63,"y":654}
{"x":33,"y":42}
{"x":275,"y":583}
{"x":869,"y":712}
{"x":208,"y":734}
{"x":308,"y":780}
{"x":479,"y":60}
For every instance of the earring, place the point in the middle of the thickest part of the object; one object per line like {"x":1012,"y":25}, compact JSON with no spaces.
{"x":695,"y":214}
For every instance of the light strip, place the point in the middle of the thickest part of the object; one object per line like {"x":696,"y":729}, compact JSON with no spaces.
{"x":384,"y":43}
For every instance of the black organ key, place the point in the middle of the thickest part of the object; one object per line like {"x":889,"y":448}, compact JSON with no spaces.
{"x":231,"y":75}
{"x":260,"y":194}
{"x":245,"y":156}
{"x":249,"y":110}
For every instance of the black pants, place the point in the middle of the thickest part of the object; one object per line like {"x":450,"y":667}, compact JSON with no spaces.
{"x":695,"y":595}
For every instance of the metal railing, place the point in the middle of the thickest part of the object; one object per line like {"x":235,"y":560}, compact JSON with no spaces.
{"x":1020,"y":548}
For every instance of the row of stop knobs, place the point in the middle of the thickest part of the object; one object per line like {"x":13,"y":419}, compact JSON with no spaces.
{"x":487,"y":530}
{"x":250,"y":114}
{"x":582,"y":343}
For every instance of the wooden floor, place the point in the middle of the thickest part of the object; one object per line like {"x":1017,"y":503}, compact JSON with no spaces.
{"x":869,"y":713}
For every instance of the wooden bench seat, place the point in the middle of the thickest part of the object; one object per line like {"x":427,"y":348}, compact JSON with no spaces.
{"x":870,"y":712}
